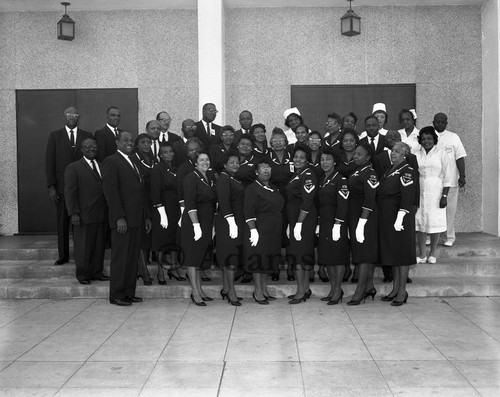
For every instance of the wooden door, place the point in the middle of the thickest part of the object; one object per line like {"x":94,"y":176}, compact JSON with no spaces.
{"x":38,"y":113}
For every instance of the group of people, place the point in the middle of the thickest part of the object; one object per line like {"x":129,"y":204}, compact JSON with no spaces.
{"x":249,"y":204}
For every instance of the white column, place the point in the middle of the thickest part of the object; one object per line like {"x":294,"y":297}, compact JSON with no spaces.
{"x":211,"y":63}
{"x":491,"y":116}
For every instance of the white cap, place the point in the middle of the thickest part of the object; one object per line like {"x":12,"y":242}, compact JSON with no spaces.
{"x":288,"y":112}
{"x":414,"y":113}
{"x":379,"y":106}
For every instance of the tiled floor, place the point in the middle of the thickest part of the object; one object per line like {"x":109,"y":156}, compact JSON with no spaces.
{"x":87,"y":347}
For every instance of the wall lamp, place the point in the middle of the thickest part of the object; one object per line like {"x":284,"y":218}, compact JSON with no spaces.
{"x":66,"y":26}
{"x":350,"y":23}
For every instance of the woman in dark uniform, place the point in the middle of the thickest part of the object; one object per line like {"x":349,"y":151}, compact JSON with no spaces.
{"x":303,"y":218}
{"x":192,"y":147}
{"x":281,"y":173}
{"x":144,"y":159}
{"x":395,"y":198}
{"x":362,"y":218}
{"x":165,"y":218}
{"x":302,"y":135}
{"x":229,"y":225}
{"x":248,"y":162}
{"x":333,"y":248}
{"x":314,"y":143}
{"x":197,"y":224}
{"x":218,"y":150}
{"x":258,"y":132}
{"x":262,"y":207}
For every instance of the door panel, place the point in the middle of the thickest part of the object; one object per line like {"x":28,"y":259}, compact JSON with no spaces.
{"x":316,"y":101}
{"x":38,"y":113}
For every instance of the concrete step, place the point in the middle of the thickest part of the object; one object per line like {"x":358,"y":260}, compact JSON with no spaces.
{"x":68,"y":287}
{"x":463,"y":266}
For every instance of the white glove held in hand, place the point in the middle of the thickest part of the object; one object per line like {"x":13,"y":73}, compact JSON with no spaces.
{"x":288,"y":231}
{"x":254,"y":237}
{"x":297,"y":231}
{"x":317,"y":230}
{"x":398,"y":225}
{"x":197,"y":231}
{"x":360,"y":230}
{"x":163,"y":217}
{"x":233,"y":229}
{"x":336,"y":232}
{"x":180,"y":218}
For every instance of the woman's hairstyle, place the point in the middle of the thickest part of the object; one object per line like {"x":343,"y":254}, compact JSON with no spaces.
{"x":403,"y":111}
{"x":296,"y":115}
{"x":349,"y":131}
{"x":247,"y":138}
{"x":264,"y":160}
{"x":300,"y":147}
{"x":335,"y":116}
{"x":315,"y":133}
{"x":328,"y":151}
{"x":368,"y":148}
{"x":371,"y":116}
{"x":194,"y":139}
{"x":227,"y":128}
{"x":382,"y":111}
{"x":230,"y":153}
{"x":428,"y":130}
{"x":165,"y":144}
{"x":255,"y":126}
{"x":353,"y":115}
{"x":404,"y":146}
{"x":139,"y":138}
{"x":278,"y":132}
{"x":301,"y":125}
{"x":199,"y":154}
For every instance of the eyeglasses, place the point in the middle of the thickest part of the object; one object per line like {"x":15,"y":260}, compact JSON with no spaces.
{"x":89,"y":146}
{"x":212,"y":111}
{"x":72,"y":115}
{"x":227,"y":134}
{"x":315,"y":139}
{"x":165,"y":119}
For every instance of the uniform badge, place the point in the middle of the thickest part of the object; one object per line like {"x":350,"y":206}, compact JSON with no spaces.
{"x":373,"y":181}
{"x":406,"y":179}
{"x":344,"y":192}
{"x":309,"y":186}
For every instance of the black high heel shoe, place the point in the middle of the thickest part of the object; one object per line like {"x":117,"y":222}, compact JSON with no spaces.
{"x":261,"y":301}
{"x":326,"y":298}
{"x":197,"y":303}
{"x":207,"y":299}
{"x":223,"y":294}
{"x":388,"y":298}
{"x":336,"y":301}
{"x":275,"y":277}
{"x":356,"y":302}
{"x":290,"y":277}
{"x":270,"y":298}
{"x":371,"y":292}
{"x":400,"y":303}
{"x":308,"y":294}
{"x":171,"y":274}
{"x":161,"y":282}
{"x":295,"y":301}
{"x":233,"y":303}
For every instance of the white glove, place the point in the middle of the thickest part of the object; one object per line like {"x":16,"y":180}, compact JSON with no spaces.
{"x":288,"y":231}
{"x":336,"y":232}
{"x":180,"y":218}
{"x":297,"y":231}
{"x":398,"y":225}
{"x":360,"y":230}
{"x":213,"y":232}
{"x":317,"y":230}
{"x":233,"y":229}
{"x":163,"y":217}
{"x":254,"y":237}
{"x":197,"y":231}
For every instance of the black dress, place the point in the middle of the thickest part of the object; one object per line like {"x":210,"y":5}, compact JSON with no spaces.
{"x":145,"y":164}
{"x":397,"y":192}
{"x":344,"y":166}
{"x":264,"y":205}
{"x":217,"y":154}
{"x":333,"y":197}
{"x":281,"y":173}
{"x":246,"y":173}
{"x":230,"y":195}
{"x":260,"y":154}
{"x":164,"y":192}
{"x":199,"y":194}
{"x":300,"y":194}
{"x":362,"y":185}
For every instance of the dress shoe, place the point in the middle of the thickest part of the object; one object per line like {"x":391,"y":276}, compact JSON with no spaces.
{"x":296,"y":301}
{"x":206,"y":299}
{"x":371,"y":292}
{"x":356,"y":302}
{"x":197,"y":303}
{"x":205,"y":279}
{"x":387,"y":298}
{"x":308,"y":294}
{"x":270,"y":298}
{"x":421,"y":260}
{"x":260,"y":301}
{"x":247,"y":278}
{"x":120,"y":302}
{"x":431,"y":259}
{"x":400,"y":303}
{"x":448,"y":244}
{"x":409,"y":280}
{"x":84,"y":282}
{"x":134,"y":299}
{"x":171,"y":274}
{"x":161,"y":282}
{"x":275,"y":277}
{"x":60,"y":262}
{"x":336,"y":301}
{"x":102,"y":278}
{"x":290,"y":277}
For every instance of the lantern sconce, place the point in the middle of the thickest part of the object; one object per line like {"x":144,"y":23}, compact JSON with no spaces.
{"x":66,"y":26}
{"x":350,"y":23}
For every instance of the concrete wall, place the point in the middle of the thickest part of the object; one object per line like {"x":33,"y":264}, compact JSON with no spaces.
{"x":437,"y":48}
{"x":267,"y":50}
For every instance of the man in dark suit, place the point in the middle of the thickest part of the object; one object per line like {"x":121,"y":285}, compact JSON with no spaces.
{"x":106,"y":136}
{"x":207,"y":131}
{"x":124,"y":191}
{"x":246,"y":121}
{"x":165,"y":135}
{"x":188,"y":129}
{"x":63,"y":147}
{"x":373,"y":138}
{"x":87,"y":208}
{"x":153,"y":130}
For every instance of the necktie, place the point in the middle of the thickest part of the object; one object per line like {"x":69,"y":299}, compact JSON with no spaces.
{"x":163,"y":138}
{"x":116,"y":132}
{"x":208,"y":129}
{"x":72,"y":138}
{"x":155,"y":151}
{"x":95,"y":169}
{"x":372,"y":144}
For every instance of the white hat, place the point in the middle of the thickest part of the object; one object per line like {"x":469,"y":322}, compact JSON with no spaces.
{"x":379,"y":106}
{"x":288,"y":112}
{"x":414,"y":113}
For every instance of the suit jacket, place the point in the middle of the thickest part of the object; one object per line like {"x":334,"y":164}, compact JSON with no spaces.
{"x":124,"y":192}
{"x":382,"y":143}
{"x":83,"y":192}
{"x":59,"y":154}
{"x":180,"y":152}
{"x":201,"y":134}
{"x":106,"y":142}
{"x":171,"y":137}
{"x":238,"y":134}
{"x":382,"y":162}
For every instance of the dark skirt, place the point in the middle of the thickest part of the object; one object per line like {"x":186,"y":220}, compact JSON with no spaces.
{"x":331,"y":253}
{"x":366,"y":252}
{"x":302,"y":252}
{"x":229,"y":251}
